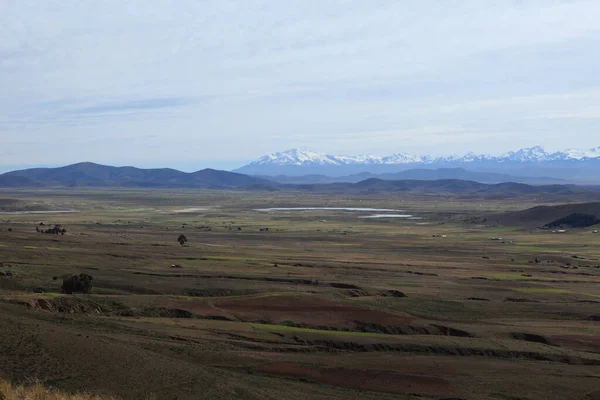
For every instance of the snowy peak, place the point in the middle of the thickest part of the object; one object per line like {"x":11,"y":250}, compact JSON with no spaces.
{"x":404,"y":158}
{"x":576,"y":154}
{"x":296,"y":157}
{"x":307,"y":157}
{"x":532,"y":154}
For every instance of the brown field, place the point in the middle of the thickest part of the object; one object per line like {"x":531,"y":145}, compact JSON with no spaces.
{"x":322,"y":305}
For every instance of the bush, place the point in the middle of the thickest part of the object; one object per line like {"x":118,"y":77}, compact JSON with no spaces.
{"x":81,"y":283}
{"x":57,"y":230}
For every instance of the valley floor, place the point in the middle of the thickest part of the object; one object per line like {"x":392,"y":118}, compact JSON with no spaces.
{"x":322,"y":304}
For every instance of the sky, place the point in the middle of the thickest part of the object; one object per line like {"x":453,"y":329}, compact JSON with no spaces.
{"x":191,"y":84}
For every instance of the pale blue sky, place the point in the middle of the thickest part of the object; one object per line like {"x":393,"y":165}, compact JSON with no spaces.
{"x":190,"y":84}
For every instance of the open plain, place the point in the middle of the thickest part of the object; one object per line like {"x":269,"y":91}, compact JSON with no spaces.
{"x":431,"y":303}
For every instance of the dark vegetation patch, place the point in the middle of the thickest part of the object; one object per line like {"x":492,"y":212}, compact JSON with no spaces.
{"x":575,"y":220}
{"x":218,"y":292}
{"x":420,"y":273}
{"x":449,"y":331}
{"x":344,"y":286}
{"x":76,"y":304}
{"x":57,"y":230}
{"x":160,"y":312}
{"x":520,"y":300}
{"x":97,"y":305}
{"x":530,"y":337}
{"x":81,"y":283}
{"x":541,"y":215}
{"x":394,"y":293}
{"x":411,"y":329}
{"x":449,"y":350}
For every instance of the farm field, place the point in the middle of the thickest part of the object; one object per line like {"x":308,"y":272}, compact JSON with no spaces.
{"x":261,"y":303}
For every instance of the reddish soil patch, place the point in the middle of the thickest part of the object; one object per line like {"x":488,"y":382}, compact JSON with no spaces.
{"x":580,"y":341}
{"x":373,"y":380}
{"x":308,"y":310}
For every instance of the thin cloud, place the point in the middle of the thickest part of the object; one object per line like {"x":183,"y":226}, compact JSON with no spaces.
{"x":146,"y":104}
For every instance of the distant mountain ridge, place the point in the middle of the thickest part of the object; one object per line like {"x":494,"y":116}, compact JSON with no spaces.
{"x":88,"y":174}
{"x":450,"y":186}
{"x":530,"y":162}
{"x":533,"y":154}
{"x":91,"y":174}
{"x":416,"y":174}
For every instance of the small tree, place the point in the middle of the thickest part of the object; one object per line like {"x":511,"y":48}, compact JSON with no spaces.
{"x":182,"y":239}
{"x":81,"y":283}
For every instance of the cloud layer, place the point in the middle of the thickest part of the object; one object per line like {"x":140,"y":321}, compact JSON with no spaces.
{"x":191,"y":84}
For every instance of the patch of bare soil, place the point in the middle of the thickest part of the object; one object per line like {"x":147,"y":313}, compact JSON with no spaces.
{"x":373,"y":380}
{"x":581,"y":342}
{"x":308,"y":310}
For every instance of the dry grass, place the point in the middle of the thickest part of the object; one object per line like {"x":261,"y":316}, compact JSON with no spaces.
{"x":37,"y":391}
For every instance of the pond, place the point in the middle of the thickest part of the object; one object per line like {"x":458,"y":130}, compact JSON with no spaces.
{"x":388,"y":216}
{"x":393,"y":212}
{"x":37,"y":212}
{"x":327,"y":209}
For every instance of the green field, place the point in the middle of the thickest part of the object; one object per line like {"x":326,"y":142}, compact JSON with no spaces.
{"x":321,"y":305}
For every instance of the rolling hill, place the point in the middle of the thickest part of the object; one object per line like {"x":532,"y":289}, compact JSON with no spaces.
{"x":90,"y":174}
{"x":552,"y":216}
{"x":415,"y":174}
{"x":95,"y":175}
{"x":454,"y":187}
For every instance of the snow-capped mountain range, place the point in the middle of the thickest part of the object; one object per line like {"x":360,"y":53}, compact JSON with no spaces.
{"x":534,"y":161}
{"x":534,"y":154}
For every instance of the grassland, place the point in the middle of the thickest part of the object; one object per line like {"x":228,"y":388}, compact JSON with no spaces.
{"x":322,"y":305}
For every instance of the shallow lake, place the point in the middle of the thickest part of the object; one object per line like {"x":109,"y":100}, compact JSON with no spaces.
{"x":38,"y":212}
{"x":327,"y":209}
{"x":387,"y":216}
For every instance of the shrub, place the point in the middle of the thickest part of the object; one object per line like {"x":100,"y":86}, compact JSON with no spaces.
{"x":81,"y":283}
